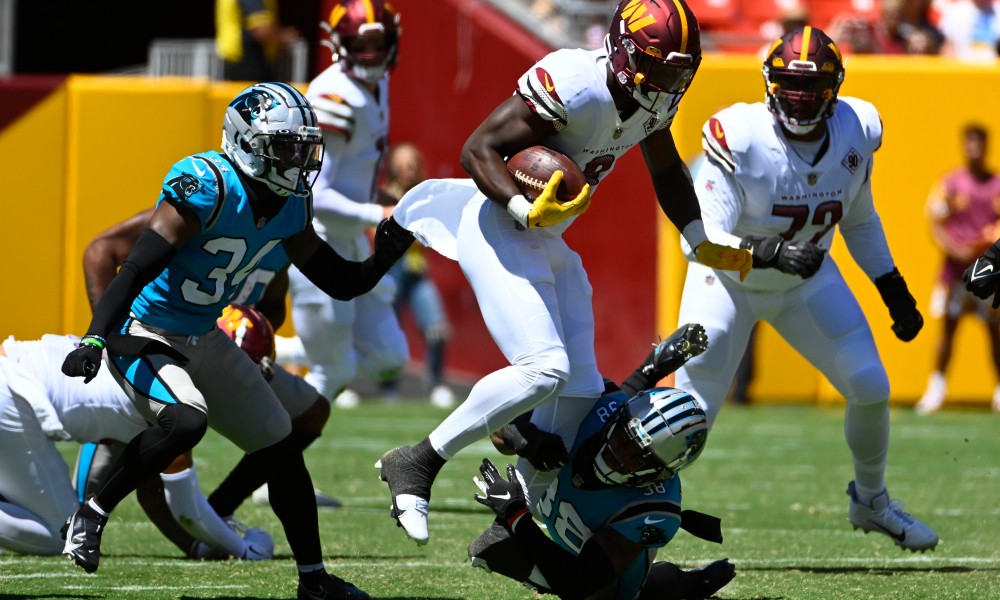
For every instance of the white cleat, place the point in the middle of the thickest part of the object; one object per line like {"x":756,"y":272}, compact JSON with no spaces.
{"x":887,"y":517}
{"x":410,"y":492}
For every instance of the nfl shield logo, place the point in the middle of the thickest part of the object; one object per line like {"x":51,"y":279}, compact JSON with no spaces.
{"x":709,"y":279}
{"x":811,"y":178}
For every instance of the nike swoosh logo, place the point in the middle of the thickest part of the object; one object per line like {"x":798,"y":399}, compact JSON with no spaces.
{"x":652,"y":521}
{"x":548,"y":84}
{"x":979,"y":273}
{"x":498,"y":497}
{"x":899,"y":537}
{"x":198,"y":170}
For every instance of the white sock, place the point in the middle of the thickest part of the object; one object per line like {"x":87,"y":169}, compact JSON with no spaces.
{"x":190,"y":508}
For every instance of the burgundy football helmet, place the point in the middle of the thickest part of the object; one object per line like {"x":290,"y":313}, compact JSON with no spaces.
{"x":365,"y":35}
{"x":655,"y":48}
{"x":802,"y":75}
{"x":249,"y":329}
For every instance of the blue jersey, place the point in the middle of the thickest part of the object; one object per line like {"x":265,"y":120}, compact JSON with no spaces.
{"x":252,"y":289}
{"x":649,"y":516}
{"x":190,"y":293}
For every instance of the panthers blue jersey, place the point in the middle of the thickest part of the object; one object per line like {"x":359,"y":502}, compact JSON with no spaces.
{"x":649,"y":516}
{"x":252,"y":289}
{"x":189,"y":295}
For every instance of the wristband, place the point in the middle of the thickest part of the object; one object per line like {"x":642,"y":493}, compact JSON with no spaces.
{"x":519,"y":207}
{"x":512,"y":521}
{"x":94,"y":340}
{"x":694,"y":234}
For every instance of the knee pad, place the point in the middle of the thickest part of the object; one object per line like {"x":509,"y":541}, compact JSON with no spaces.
{"x":869,"y":386}
{"x":184,"y":425}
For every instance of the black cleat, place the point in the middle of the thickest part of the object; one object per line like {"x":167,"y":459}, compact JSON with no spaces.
{"x":83,"y":539}
{"x":703,"y":582}
{"x":328,"y":587}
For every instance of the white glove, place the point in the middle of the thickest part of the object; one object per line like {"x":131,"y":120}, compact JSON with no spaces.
{"x":258,"y":544}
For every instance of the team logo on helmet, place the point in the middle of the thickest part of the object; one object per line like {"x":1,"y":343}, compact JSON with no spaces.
{"x":253,"y":104}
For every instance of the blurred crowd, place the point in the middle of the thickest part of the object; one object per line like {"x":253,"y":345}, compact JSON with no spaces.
{"x":964,"y":29}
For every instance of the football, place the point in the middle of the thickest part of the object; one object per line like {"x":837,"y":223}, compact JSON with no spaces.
{"x":533,"y":166}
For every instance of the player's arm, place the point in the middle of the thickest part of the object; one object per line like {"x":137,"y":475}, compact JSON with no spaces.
{"x":510,"y":128}
{"x":272,"y":301}
{"x":338,"y":277}
{"x":169,"y":228}
{"x":678,"y":200}
{"x":107,"y":251}
{"x":602,"y":559}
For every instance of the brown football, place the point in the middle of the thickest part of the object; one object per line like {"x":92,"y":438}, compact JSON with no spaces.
{"x":533,"y":166}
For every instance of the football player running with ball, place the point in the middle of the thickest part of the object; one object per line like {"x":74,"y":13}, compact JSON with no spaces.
{"x":532,"y":289}
{"x":218,"y":215}
{"x":780,"y":176}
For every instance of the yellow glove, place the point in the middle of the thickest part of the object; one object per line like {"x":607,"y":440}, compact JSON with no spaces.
{"x":724,"y":258}
{"x":546,"y":210}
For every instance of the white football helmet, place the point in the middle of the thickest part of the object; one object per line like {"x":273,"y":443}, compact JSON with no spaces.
{"x":650,"y":438}
{"x":271,"y":133}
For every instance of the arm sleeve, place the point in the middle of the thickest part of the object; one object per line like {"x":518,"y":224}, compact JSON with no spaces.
{"x":676,"y":195}
{"x":151,"y":254}
{"x":343,"y":279}
{"x":568,"y":575}
{"x":721,"y":198}
{"x":862,"y":231}
{"x":328,"y":201}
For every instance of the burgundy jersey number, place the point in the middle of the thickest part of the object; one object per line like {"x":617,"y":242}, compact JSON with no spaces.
{"x":827,"y":214}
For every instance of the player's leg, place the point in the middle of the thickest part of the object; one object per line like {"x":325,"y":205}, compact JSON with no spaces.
{"x":163,"y":391}
{"x":379,"y":341}
{"x":562,"y":415}
{"x":822,"y":320}
{"x":667,"y":581}
{"x":246,"y":411}
{"x":510,"y":274}
{"x":35,"y":491}
{"x":428,"y":312}
{"x":716,"y":303}
{"x":325,"y":327}
{"x":953,"y":303}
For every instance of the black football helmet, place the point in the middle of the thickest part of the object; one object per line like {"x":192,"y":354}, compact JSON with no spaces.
{"x":802,"y":75}
{"x":654,"y":47}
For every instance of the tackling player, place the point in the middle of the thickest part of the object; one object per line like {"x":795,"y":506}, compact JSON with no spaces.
{"x":218,"y":215}
{"x":351,"y":99}
{"x":616,"y":501}
{"x":780,"y":176}
{"x":532,"y":289}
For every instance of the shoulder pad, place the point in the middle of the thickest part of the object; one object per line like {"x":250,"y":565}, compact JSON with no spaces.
{"x":335,"y":113}
{"x":540,"y":88}
{"x":196,"y":183}
{"x":722,"y":137}
{"x":868,"y":119}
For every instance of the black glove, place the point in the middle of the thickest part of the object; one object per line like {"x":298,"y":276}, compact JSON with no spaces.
{"x":503,"y":496}
{"x":906,"y":319}
{"x":391,"y":240}
{"x":795,"y":258}
{"x":545,"y":451}
{"x":85,"y":360}
{"x":982,"y":277}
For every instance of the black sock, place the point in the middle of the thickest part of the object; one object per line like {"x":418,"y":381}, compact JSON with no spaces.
{"x":248,"y":475}
{"x":178,"y":428}
{"x":428,"y":457}
{"x":290,"y":490}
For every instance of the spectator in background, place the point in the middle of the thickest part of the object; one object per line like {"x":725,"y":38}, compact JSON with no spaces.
{"x":964,"y":209}
{"x":903,"y":27}
{"x":414,"y":288}
{"x":250,"y":38}
{"x":971,"y":29}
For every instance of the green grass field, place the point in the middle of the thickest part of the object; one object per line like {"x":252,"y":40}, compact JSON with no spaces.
{"x":776,"y":476}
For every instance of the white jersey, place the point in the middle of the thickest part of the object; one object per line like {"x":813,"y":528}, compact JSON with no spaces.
{"x":89,"y":412}
{"x":355,"y":126}
{"x":569,"y":89}
{"x":756,"y":183}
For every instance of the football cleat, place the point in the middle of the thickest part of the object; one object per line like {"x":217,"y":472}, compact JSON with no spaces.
{"x":83,"y":540}
{"x":328,"y":587}
{"x":410,"y":489}
{"x":887,"y":517}
{"x":703,"y":582}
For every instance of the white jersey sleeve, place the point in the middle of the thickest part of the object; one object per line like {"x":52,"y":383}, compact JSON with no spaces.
{"x":721,"y":199}
{"x":861,"y":226}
